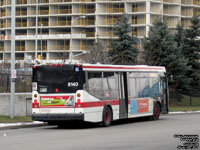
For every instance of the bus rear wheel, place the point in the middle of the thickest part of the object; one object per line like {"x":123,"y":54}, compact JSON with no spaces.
{"x":107,"y":117}
{"x":156,"y":112}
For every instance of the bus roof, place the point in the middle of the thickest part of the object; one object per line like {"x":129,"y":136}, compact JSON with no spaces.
{"x":100,"y":67}
{"x":108,"y":67}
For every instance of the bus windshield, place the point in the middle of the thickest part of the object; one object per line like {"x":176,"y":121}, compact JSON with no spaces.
{"x":57,"y":79}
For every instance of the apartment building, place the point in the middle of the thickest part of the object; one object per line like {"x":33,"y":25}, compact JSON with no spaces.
{"x":53,"y":28}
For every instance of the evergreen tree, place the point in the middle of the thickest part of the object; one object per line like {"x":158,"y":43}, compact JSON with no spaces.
{"x":123,"y":50}
{"x":161,"y":49}
{"x":179,"y":36}
{"x":191,"y":50}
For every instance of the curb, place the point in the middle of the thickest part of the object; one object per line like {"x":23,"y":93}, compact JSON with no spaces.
{"x":183,"y":112}
{"x":22,"y":125}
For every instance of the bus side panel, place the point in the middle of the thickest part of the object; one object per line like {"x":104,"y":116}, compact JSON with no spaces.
{"x":140,"y":107}
{"x":93,"y":108}
{"x":92,"y":112}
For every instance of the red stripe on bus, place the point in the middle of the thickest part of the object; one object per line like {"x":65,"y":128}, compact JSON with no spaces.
{"x":109,"y":67}
{"x":96,"y":103}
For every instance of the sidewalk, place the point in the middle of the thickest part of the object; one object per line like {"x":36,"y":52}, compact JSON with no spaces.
{"x":38,"y":123}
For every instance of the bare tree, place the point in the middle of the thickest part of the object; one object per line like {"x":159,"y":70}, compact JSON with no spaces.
{"x":97,"y":53}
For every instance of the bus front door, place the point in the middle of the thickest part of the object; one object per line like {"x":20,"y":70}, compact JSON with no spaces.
{"x":123,"y":95}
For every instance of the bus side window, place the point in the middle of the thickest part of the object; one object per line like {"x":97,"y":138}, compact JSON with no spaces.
{"x":95,"y":84}
{"x":102,"y":85}
{"x":110,"y":87}
{"x":154,"y":87}
{"x":144,"y":87}
{"x":133,"y":85}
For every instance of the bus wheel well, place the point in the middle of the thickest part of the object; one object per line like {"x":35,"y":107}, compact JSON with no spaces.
{"x":107,"y":115}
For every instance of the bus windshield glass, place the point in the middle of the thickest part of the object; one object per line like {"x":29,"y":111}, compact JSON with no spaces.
{"x":58,"y":79}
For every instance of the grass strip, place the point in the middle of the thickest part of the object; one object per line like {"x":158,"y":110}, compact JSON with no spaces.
{"x":183,"y":108}
{"x":6,"y":119}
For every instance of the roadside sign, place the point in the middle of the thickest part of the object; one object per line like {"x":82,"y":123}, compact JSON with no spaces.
{"x":14,"y":74}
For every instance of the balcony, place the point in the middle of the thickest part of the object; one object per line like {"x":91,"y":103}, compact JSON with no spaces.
{"x":172,"y":1}
{"x":138,"y":7}
{"x":114,"y":10}
{"x":21,"y":24}
{"x":109,"y":34}
{"x":84,"y":0}
{"x":61,"y":23}
{"x":138,"y":20}
{"x":84,"y":22}
{"x":139,"y":32}
{"x":1,"y":48}
{"x":44,"y":1}
{"x":21,"y":2}
{"x":110,"y":21}
{"x":88,"y":34}
{"x":5,"y":2}
{"x":85,"y":11}
{"x":187,"y":2}
{"x":60,"y":1}
{"x":21,"y":13}
{"x":43,"y":12}
{"x":3,"y":13}
{"x":43,"y":23}
{"x":59,"y":47}
{"x":44,"y":47}
{"x":20,"y":48}
{"x":63,"y":11}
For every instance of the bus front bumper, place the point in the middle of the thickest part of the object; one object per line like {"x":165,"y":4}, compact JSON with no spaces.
{"x":57,"y":117}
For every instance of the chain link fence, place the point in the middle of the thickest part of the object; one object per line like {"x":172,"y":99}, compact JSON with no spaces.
{"x":23,"y":81}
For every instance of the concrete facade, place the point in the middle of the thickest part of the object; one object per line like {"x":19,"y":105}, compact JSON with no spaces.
{"x":62,"y":27}
{"x":23,"y":104}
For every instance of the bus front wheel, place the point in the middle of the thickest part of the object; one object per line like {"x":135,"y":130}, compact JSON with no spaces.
{"x":156,"y":112}
{"x":107,"y":117}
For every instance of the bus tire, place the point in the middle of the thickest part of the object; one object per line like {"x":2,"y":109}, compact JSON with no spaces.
{"x":156,"y":112}
{"x":107,"y":116}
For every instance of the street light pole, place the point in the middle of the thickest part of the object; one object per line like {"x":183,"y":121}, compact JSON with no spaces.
{"x":70,"y":54}
{"x":12,"y":82}
{"x":36,"y":29}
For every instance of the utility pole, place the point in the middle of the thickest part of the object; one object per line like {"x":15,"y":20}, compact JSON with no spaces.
{"x":13,"y":71}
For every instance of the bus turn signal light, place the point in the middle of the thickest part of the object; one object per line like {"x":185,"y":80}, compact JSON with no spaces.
{"x":78,"y":95}
{"x":35,"y":95}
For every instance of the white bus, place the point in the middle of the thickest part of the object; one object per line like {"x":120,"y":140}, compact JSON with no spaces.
{"x":97,"y":93}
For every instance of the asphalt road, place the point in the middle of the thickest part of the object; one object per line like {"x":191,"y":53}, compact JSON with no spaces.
{"x":133,"y":135}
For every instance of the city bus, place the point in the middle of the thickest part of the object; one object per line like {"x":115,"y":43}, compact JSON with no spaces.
{"x":98,"y":93}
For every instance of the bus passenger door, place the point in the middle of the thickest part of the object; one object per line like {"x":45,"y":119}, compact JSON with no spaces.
{"x":164,"y":96}
{"x":123,"y":95}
